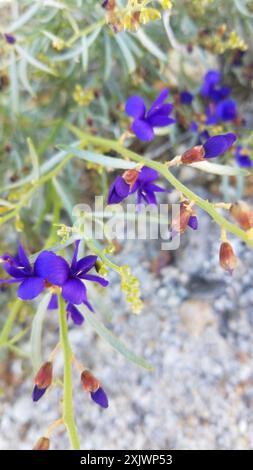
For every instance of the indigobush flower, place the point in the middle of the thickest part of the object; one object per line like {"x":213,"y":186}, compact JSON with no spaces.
{"x":145,"y":121}
{"x":242,"y":158}
{"x":213,"y":147}
{"x":141,"y":182}
{"x":30,"y":278}
{"x":74,"y":291}
{"x":91,"y":385}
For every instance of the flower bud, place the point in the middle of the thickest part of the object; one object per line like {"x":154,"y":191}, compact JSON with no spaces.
{"x":130,"y":177}
{"x":42,"y":443}
{"x":89,"y":382}
{"x":44,"y":376}
{"x":179,"y":224}
{"x":228,"y":260}
{"x":195,"y":154}
{"x":242,"y":214}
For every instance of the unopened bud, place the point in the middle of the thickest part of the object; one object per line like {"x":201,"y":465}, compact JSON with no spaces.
{"x":243,"y":214}
{"x":179,"y":224}
{"x":42,"y":443}
{"x":130,"y":177}
{"x":228,"y":260}
{"x":195,"y":154}
{"x":44,"y":376}
{"x":89,"y":382}
{"x":109,"y":4}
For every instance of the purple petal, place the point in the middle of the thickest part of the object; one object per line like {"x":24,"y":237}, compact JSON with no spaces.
{"x":100,"y":398}
{"x":143,"y":130}
{"x":53,"y":303}
{"x":158,"y":120}
{"x":94,"y":278}
{"x":9,"y":281}
{"x":74,"y":259}
{"x":186,"y":97}
{"x":218,"y":94}
{"x":118,"y":191}
{"x":211,"y":79}
{"x":74,"y":291}
{"x":14,"y":271}
{"x":89,"y":306}
{"x":24,"y":261}
{"x":10,"y":38}
{"x":243,"y":159}
{"x":193,"y":222}
{"x":154,"y":188}
{"x":159,"y":101}
{"x":149,"y":197}
{"x":52,"y":268}
{"x":227,"y":110}
{"x":76,"y":316}
{"x":218,"y":144}
{"x":30,"y":288}
{"x":37,"y":393}
{"x":147,"y":175}
{"x":86,"y":263}
{"x":135,"y":107}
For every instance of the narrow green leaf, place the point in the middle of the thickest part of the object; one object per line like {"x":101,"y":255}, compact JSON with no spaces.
{"x":35,"y":62}
{"x":36,"y":332}
{"x":104,"y":160}
{"x":217,"y":169}
{"x":34,"y":159}
{"x":115,"y":342}
{"x":148,"y":44}
{"x":127,"y":54}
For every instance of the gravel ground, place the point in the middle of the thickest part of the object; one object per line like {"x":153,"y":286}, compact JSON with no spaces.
{"x":196,"y":329}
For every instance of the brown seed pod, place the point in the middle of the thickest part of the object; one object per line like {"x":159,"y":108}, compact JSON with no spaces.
{"x":228,"y":260}
{"x":243,"y":214}
{"x":89,"y":382}
{"x":43,"y":443}
{"x":193,"y":155}
{"x":44,"y":376}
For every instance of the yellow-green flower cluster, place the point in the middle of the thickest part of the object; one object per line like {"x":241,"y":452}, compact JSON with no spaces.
{"x":83,"y":96}
{"x":130,"y":285}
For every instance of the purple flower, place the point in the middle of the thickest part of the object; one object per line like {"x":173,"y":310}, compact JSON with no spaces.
{"x":186,"y":97}
{"x":74,"y":291}
{"x":242,"y":158}
{"x":145,"y":122}
{"x":211,"y":79}
{"x":224,"y":111}
{"x":143,"y":185}
{"x":218,"y":144}
{"x":9,"y":38}
{"x":31,"y":281}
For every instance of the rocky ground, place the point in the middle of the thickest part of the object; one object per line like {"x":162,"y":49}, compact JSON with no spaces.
{"x":196,"y":329}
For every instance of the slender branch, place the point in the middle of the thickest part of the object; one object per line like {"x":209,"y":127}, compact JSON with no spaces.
{"x":4,"y":336}
{"x":68,"y":416}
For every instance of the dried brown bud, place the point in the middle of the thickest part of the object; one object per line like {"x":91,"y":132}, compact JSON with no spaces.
{"x":130,"y":177}
{"x":193,"y":155}
{"x":89,"y":382}
{"x":179,"y":224}
{"x":109,"y":4}
{"x":228,"y":260}
{"x":42,"y":443}
{"x":243,"y":214}
{"x":44,"y":376}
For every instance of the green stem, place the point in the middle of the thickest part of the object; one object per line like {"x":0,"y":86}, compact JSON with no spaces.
{"x":4,"y":336}
{"x":68,"y":416}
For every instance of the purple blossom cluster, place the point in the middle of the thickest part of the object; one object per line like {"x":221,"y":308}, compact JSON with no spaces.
{"x":52,"y":271}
